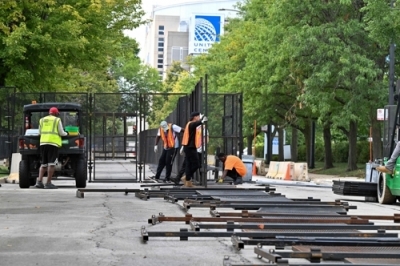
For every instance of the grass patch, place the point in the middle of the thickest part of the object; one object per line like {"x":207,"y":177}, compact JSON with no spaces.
{"x":3,"y":171}
{"x":340,"y":169}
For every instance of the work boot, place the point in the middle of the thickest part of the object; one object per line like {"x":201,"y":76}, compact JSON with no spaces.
{"x":176,"y":180}
{"x":383,"y":169}
{"x":189,"y":184}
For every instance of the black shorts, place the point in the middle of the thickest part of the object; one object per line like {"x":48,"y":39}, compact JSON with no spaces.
{"x":49,"y":154}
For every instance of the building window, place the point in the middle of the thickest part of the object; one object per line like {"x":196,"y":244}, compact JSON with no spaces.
{"x":160,"y":32}
{"x":160,"y":61}
{"x":161,"y":27}
{"x":160,"y":56}
{"x":161,"y":49}
{"x":159,"y":66}
{"x":161,"y":39}
{"x":160,"y":44}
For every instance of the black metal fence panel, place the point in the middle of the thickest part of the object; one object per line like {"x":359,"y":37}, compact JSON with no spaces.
{"x":123,"y":125}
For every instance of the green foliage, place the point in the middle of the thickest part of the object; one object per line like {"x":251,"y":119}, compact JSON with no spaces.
{"x":302,"y":60}
{"x":44,"y":45}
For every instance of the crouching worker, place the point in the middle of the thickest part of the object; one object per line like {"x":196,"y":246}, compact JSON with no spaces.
{"x":233,"y":168}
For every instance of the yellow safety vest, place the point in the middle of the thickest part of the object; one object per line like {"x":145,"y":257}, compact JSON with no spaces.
{"x":49,"y":130}
{"x":169,"y":140}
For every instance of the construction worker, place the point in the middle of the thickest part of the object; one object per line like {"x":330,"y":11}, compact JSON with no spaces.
{"x":391,"y":163}
{"x":51,"y":130}
{"x":168,"y":133}
{"x":233,"y":168}
{"x":191,"y":142}
{"x":199,"y":130}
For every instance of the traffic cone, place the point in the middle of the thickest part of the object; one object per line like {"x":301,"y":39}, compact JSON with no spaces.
{"x":254,"y":169}
{"x":288,"y":172}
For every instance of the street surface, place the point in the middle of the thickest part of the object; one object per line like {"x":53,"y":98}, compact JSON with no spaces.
{"x":54,"y":227}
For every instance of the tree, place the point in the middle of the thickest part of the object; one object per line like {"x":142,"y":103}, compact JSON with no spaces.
{"x":300,"y":62}
{"x":41,"y":40}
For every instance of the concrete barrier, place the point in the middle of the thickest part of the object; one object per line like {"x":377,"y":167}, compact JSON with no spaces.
{"x":280,"y":170}
{"x":14,"y":170}
{"x":300,"y":172}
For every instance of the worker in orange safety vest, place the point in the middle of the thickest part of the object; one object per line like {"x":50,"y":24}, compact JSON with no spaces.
{"x":169,"y":134}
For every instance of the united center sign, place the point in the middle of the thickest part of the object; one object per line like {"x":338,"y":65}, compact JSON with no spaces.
{"x":204,"y":31}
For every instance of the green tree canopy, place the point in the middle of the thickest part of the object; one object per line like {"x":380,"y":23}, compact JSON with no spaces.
{"x":41,"y":40}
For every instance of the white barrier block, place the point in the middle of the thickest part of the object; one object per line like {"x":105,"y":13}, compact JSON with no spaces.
{"x":301,"y":172}
{"x":14,"y":171}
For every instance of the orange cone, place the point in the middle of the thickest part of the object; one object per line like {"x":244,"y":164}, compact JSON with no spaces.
{"x":254,"y":169}
{"x":288,"y":172}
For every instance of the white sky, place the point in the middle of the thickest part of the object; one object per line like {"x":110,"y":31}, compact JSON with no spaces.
{"x":147,"y":5}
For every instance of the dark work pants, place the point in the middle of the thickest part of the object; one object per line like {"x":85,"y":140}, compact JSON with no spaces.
{"x":191,"y":162}
{"x":183,"y":168}
{"x":166,"y":160}
{"x":237,"y":179}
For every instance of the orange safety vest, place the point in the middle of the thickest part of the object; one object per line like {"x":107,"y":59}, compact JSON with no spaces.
{"x":169,"y":140}
{"x":197,"y":140}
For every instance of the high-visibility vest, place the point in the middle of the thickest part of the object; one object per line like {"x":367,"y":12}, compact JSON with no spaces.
{"x":169,"y":140}
{"x":185,"y":139}
{"x":49,"y":130}
{"x":198,"y":138}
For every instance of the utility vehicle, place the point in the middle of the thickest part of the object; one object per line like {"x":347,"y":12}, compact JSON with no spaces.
{"x":72,"y":161}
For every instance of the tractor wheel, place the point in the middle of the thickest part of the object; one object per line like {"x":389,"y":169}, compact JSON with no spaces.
{"x":81,"y":173}
{"x":24,"y":174}
{"x":384,"y":194}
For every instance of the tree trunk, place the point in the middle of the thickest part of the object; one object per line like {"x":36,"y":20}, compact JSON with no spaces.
{"x":281,"y":155}
{"x":293,"y":145}
{"x":328,"y":161}
{"x":249,"y":145}
{"x":307,"y":139}
{"x":352,"y":137}
{"x":2,"y":79}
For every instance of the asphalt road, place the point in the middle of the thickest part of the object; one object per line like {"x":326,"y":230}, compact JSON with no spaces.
{"x":54,"y":227}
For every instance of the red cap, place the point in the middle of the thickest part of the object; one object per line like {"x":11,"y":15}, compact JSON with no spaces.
{"x":53,"y":110}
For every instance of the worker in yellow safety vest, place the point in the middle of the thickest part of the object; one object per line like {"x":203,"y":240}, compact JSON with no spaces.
{"x":169,"y":134}
{"x":51,"y":130}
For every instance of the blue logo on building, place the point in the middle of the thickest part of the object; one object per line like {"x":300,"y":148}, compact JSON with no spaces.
{"x":207,"y":28}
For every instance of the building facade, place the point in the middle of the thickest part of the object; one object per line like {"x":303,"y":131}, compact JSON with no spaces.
{"x":175,"y":31}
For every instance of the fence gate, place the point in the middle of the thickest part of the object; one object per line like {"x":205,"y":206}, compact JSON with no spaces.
{"x":113,"y":139}
{"x":6,"y":121}
{"x":112,"y":121}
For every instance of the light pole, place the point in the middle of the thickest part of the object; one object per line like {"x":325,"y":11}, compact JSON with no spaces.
{"x":391,"y":67}
{"x":229,"y":9}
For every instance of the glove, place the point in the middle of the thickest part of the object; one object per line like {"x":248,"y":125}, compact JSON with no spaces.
{"x":220,"y":180}
{"x":204,"y":119}
{"x":201,"y":116}
{"x":155,"y":148}
{"x":181,"y":152}
{"x":67,"y":133}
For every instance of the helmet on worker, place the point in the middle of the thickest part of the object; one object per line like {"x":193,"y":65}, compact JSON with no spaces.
{"x":54,"y":111}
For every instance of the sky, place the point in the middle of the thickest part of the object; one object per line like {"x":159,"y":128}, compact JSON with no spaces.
{"x":147,"y":5}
